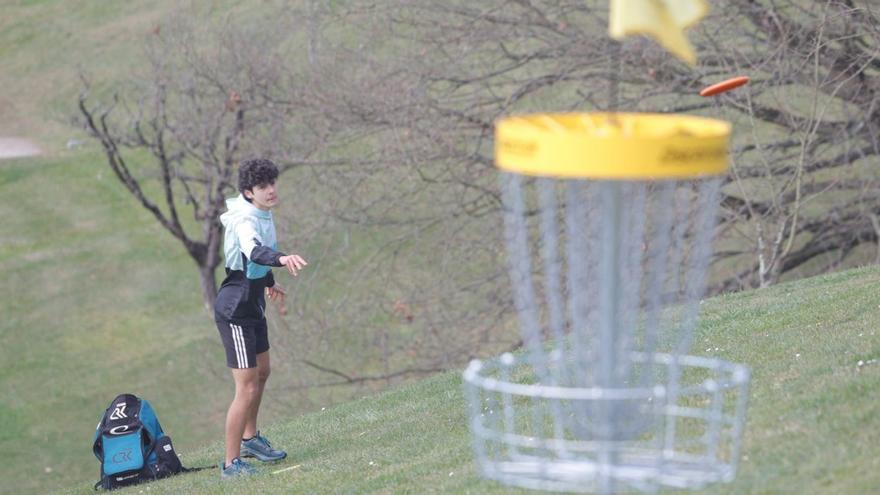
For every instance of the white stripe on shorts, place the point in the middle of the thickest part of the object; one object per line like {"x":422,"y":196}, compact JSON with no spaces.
{"x":235,"y":344}
{"x":244,"y":356}
{"x":238,"y":344}
{"x":243,"y":348}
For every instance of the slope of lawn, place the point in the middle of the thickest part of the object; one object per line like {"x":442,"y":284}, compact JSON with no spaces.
{"x":813,"y":424}
{"x":97,"y":300}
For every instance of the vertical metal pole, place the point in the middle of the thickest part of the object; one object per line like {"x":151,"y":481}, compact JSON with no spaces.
{"x":506,"y":361}
{"x":552,"y":274}
{"x":478,"y":428}
{"x":661,"y":239}
{"x":578,"y":281}
{"x":741,"y":377}
{"x":553,"y":294}
{"x":609,"y":298}
{"x":520,"y":265}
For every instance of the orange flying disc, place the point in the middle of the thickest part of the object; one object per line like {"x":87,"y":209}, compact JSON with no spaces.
{"x":724,"y":86}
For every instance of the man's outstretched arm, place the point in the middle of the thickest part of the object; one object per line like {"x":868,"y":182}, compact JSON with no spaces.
{"x":252,"y":247}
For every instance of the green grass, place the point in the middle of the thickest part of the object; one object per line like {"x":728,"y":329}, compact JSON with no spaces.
{"x":813,"y":426}
{"x":88,"y":302}
{"x":45,"y":45}
{"x":97,"y":300}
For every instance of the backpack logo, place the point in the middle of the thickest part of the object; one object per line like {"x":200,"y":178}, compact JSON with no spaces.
{"x":122,"y":456}
{"x":119,"y":411}
{"x":119,"y":430}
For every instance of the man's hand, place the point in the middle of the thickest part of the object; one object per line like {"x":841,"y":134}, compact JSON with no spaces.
{"x":276,"y":293}
{"x":293,"y":263}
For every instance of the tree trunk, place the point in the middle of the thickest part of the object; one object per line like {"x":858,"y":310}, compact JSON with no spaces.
{"x":211,"y":259}
{"x":209,"y":286}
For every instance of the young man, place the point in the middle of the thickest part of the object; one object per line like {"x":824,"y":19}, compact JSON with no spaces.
{"x":250,"y":249}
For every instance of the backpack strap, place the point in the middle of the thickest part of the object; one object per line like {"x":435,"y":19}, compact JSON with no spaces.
{"x":151,"y":442}
{"x":195,"y":469}
{"x":152,"y":428}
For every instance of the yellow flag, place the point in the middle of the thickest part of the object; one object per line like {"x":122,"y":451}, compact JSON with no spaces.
{"x":663,"y":20}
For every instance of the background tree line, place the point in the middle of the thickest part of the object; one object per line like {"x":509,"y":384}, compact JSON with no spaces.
{"x":381,"y":115}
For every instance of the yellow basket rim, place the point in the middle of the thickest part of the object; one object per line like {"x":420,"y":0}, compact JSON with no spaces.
{"x":603,"y":145}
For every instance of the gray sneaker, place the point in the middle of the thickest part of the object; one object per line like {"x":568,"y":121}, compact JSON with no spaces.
{"x":260,"y":448}
{"x":236,"y":468}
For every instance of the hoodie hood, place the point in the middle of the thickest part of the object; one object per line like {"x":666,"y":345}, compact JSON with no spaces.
{"x":239,"y":208}
{"x":260,"y":226}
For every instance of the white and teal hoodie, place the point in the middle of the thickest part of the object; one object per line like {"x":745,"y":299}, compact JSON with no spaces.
{"x":250,"y":249}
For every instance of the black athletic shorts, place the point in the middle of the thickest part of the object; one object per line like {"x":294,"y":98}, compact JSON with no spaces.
{"x":243,"y":340}
{"x":240,"y":314}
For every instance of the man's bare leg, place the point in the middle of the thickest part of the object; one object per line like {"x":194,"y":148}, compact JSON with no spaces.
{"x":263,"y":370}
{"x":247,"y":392}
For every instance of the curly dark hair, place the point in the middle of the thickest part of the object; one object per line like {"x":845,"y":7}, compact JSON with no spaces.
{"x":256,"y":172}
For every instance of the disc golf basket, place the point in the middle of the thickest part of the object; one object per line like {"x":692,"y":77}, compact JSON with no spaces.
{"x":609,"y":220}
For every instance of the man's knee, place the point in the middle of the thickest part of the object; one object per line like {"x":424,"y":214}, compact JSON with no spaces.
{"x":248,"y":387}
{"x":264,"y":373}
{"x":263,"y":367}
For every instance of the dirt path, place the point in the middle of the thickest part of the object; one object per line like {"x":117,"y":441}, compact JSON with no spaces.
{"x":11,"y":147}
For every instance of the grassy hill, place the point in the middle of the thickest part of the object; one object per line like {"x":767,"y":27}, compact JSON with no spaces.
{"x":93,"y":307}
{"x":97,"y":300}
{"x":813,"y":424}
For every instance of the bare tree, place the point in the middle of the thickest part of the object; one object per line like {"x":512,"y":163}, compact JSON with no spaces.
{"x":417,"y":86}
{"x":798,"y":199}
{"x":401,"y":98}
{"x":214,"y":93}
{"x":801,"y":192}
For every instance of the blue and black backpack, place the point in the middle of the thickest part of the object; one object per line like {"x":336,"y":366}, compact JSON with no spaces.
{"x":131,"y":446}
